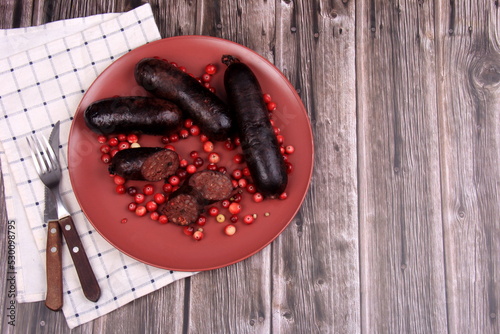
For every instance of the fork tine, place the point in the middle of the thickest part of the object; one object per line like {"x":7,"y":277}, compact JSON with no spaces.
{"x":51,"y":155}
{"x":35,"y":155}
{"x":42,"y":156}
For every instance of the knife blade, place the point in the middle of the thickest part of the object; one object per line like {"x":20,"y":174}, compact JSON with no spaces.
{"x":54,"y":297}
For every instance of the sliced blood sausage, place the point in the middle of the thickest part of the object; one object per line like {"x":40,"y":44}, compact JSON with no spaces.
{"x":145,"y":163}
{"x":133,"y":114}
{"x":166,"y":81}
{"x":212,"y":186}
{"x":258,"y":141}
{"x":201,"y":189}
{"x":182,"y":209}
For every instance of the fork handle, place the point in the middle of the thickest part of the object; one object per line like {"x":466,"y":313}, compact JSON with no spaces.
{"x":85,"y":273}
{"x":54,"y":298}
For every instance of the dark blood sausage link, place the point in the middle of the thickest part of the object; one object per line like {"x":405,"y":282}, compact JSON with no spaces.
{"x":145,"y":163}
{"x":133,"y":114}
{"x":168,"y":82}
{"x":201,"y":189}
{"x":258,"y":141}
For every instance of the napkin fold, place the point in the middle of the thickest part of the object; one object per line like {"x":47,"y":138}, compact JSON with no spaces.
{"x":45,"y":71}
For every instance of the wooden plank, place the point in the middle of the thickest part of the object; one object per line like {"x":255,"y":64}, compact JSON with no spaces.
{"x":157,"y":312}
{"x":469,"y":86}
{"x":7,"y":8}
{"x":315,"y":262}
{"x":176,"y":18}
{"x":236,"y":298}
{"x":163,"y":311}
{"x":402,"y":268}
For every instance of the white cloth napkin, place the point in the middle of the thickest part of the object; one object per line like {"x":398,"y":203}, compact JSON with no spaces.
{"x":44,"y":72}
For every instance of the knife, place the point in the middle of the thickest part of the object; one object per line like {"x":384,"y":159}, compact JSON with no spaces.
{"x":54,"y":297}
{"x":88,"y":281}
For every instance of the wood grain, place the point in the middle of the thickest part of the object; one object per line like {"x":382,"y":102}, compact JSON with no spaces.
{"x":469,"y":86}
{"x":401,"y":248}
{"x":315,"y":261}
{"x":53,"y":263}
{"x":236,"y":298}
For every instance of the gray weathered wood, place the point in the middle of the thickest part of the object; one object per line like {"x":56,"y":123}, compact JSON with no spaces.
{"x":315,"y":261}
{"x":401,"y":247}
{"x":236,"y":298}
{"x":469,"y":104}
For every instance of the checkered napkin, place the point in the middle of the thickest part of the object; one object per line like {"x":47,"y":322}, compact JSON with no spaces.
{"x":44,"y":73}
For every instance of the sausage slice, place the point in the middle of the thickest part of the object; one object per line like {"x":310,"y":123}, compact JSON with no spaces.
{"x":145,"y":163}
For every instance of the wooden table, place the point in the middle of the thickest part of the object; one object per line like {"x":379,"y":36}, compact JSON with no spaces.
{"x":400,"y":230}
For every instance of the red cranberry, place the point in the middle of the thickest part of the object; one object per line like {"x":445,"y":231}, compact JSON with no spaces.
{"x":132,"y":191}
{"x":141,"y":210}
{"x":202,"y":220}
{"x":106,"y":158}
{"x":159,"y":198}
{"x":113,"y":142}
{"x":198,"y":235}
{"x":238,"y":158}
{"x":151,"y":206}
{"x":194,"y":130}
{"x":139,"y":198}
{"x":206,"y":77}
{"x":194,"y":154}
{"x":257,"y":197}
{"x":167,"y":188}
{"x":184,"y":134}
{"x":271,"y":106}
{"x":234,"y":208}
{"x":248,"y":219}
{"x":210,"y":69}
{"x":191,"y":169}
{"x":237,"y":174}
{"x":117,"y":179}
{"x":105,"y":148}
{"x":132,"y":138}
{"x":213,"y":211}
{"x":188,"y":230}
{"x":101,"y":139}
{"x":148,"y":189}
{"x":120,"y":189}
{"x":132,"y":206}
{"x":174,"y":180}
{"x":163,"y":219}
{"x":198,"y":162}
{"x":237,"y":197}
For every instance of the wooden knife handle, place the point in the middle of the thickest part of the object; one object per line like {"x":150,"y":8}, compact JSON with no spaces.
{"x":85,"y":273}
{"x":54,"y":298}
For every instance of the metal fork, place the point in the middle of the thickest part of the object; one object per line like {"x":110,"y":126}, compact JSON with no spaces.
{"x":49,"y":170}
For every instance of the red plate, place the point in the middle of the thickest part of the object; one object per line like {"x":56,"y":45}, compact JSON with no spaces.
{"x":166,"y":246}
